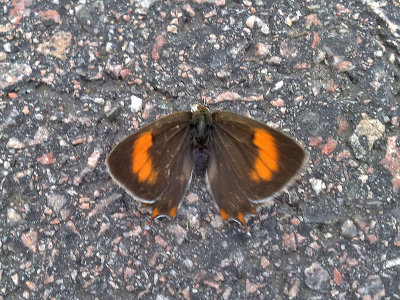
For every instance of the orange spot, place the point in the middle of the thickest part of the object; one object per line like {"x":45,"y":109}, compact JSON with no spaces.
{"x":144,"y":142}
{"x":240,"y":217}
{"x":267,"y":157}
{"x":262,"y":170}
{"x":172,"y":211}
{"x":155,"y":213}
{"x":145,"y":171}
{"x":152,"y":177}
{"x":139,"y":154}
{"x":138,"y":161}
{"x":254,"y":175}
{"x":141,"y":161}
{"x":223,"y":214}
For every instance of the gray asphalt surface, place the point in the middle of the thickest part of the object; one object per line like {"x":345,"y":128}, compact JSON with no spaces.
{"x":77,"y":77}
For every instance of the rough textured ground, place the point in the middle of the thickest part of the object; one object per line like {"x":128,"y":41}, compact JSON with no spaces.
{"x":77,"y":77}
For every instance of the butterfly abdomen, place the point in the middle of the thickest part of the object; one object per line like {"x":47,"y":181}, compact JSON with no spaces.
{"x":201,"y":127}
{"x":200,"y":158}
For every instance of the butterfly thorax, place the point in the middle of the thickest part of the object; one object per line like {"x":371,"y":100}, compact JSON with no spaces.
{"x":201,"y":127}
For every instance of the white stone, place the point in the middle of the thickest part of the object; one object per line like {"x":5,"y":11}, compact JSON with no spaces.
{"x":136,"y":104}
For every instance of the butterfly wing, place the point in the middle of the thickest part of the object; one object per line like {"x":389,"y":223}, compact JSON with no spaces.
{"x":248,"y":163}
{"x":154,"y":164}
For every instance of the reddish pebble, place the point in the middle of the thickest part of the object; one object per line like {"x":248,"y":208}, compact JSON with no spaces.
{"x":391,"y":162}
{"x":278,"y":102}
{"x":330,"y":146}
{"x":302,"y":66}
{"x":49,"y":279}
{"x":25,"y":110}
{"x":55,"y":222}
{"x":84,"y":206}
{"x":79,"y":141}
{"x":47,"y":159}
{"x":192,"y":197}
{"x":135,"y":231}
{"x":295,"y":221}
{"x":312,"y":20}
{"x":29,"y":239}
{"x":316,"y":40}
{"x":125,"y":72}
{"x":160,"y":41}
{"x":262,"y":49}
{"x":264,"y":262}
{"x":251,"y":288}
{"x":289,"y":241}
{"x":344,"y":66}
{"x":160,"y":241}
{"x":12,"y":95}
{"x":343,"y":155}
{"x":227,"y":96}
{"x":337,"y":276}
{"x":94,"y":159}
{"x":30,"y":285}
{"x":372,"y":238}
{"x":117,"y":240}
{"x":315,"y":141}
{"x":50,"y":15}
{"x":129,"y":273}
{"x":343,"y":125}
{"x":89,"y":251}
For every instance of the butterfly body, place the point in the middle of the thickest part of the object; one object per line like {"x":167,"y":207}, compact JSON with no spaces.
{"x":245,"y":162}
{"x":201,"y":130}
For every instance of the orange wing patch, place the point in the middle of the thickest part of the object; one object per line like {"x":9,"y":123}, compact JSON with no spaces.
{"x":142,"y":165}
{"x":172,"y":211}
{"x":266,"y":162}
{"x":223,"y":214}
{"x":239,"y":217}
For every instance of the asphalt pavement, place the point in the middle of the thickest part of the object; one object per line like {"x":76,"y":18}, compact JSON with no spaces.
{"x":76,"y":77}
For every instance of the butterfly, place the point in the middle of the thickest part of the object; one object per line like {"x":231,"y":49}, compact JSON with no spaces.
{"x":245,"y":162}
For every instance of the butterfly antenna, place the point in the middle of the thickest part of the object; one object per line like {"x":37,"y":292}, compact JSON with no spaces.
{"x":204,"y":98}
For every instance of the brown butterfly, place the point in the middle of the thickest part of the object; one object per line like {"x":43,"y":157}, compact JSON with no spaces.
{"x":245,"y":162}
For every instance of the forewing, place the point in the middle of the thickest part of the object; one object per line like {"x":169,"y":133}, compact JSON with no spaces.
{"x":249,"y":162}
{"x":154,"y":164}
